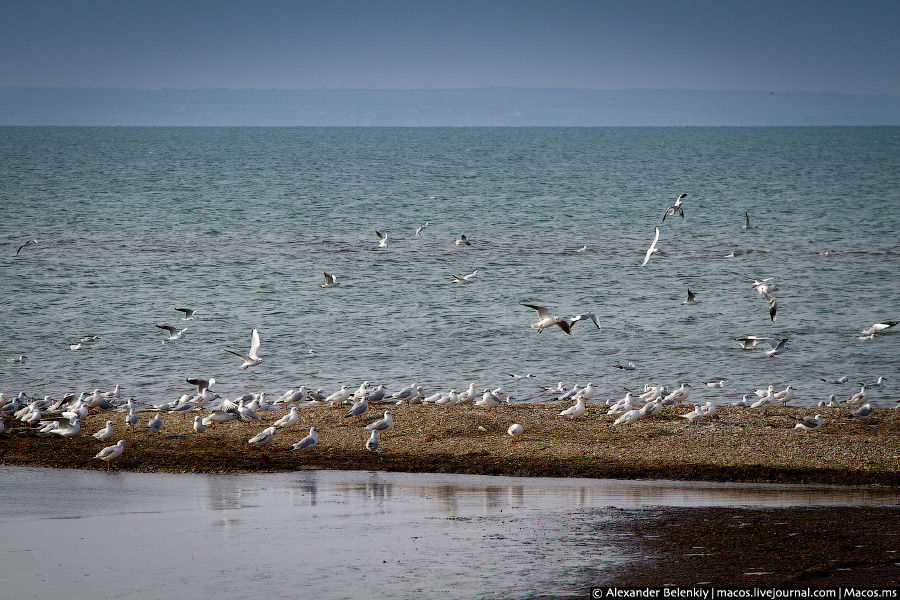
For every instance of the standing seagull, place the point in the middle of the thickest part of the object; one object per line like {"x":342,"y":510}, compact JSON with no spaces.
{"x":25,"y":245}
{"x":309,"y":442}
{"x":465,"y":278}
{"x":382,"y":424}
{"x":110,"y":453}
{"x":675,"y":209}
{"x":174,"y":334}
{"x":372,"y":442}
{"x":747,"y":224}
{"x":252,"y":359}
{"x":188,"y":313}
{"x":382,"y":239}
{"x":330,"y":281}
{"x":652,"y":249}
{"x":155,"y":423}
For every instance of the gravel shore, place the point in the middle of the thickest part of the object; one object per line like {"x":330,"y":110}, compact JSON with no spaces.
{"x":736,"y":444}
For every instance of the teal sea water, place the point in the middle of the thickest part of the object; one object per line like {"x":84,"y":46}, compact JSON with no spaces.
{"x":240,"y":223}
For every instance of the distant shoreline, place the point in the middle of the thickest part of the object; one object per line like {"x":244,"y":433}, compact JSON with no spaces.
{"x":736,"y":445}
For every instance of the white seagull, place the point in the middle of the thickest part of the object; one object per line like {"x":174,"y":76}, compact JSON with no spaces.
{"x":777,"y":348}
{"x":690,"y":298}
{"x":419,"y":230}
{"x":514,"y":430}
{"x":155,"y":424}
{"x":879,"y":327}
{"x":174,"y":334}
{"x":382,"y":424}
{"x":199,"y":426}
{"x":309,"y":442}
{"x":652,"y":249}
{"x":251,"y":359}
{"x":463,"y":241}
{"x":751,"y":341}
{"x":110,"y":453}
{"x":465,"y":278}
{"x":330,"y":280}
{"x":382,"y":239}
{"x":288,"y":419}
{"x":372,"y":442}
{"x":188,"y":313}
{"x":545,"y":320}
{"x":838,"y":381}
{"x":675,"y":209}
{"x":263,"y":437}
{"x":765,"y":290}
{"x":809,"y":423}
{"x":574,"y":411}
{"x":25,"y":245}
{"x":105,"y":433}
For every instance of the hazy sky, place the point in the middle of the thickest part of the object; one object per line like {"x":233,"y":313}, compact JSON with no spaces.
{"x":851,"y":47}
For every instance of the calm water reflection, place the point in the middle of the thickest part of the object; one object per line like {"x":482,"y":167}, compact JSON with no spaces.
{"x":334,"y":534}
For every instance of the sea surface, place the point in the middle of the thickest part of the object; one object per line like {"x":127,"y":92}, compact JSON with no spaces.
{"x":240,"y":224}
{"x":340,"y":534}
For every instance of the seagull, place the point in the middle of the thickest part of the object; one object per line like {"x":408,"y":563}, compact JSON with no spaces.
{"x":574,"y":411}
{"x":202,"y":384}
{"x":679,"y":395}
{"x":465,"y":278}
{"x":877,"y":383}
{"x":751,"y":341}
{"x":545,"y":320}
{"x":188,"y":313}
{"x":105,"y":433}
{"x":765,"y":289}
{"x":330,"y":280}
{"x":652,"y":249}
{"x":747,"y":224}
{"x":786,"y":395}
{"x":627,"y":367}
{"x":690,"y":298}
{"x":18,"y":359}
{"x":863,"y":412}
{"x":871,"y":336}
{"x":263,"y":437}
{"x":358,"y":408}
{"x":220,"y":416}
{"x":514,"y":430}
{"x":675,"y":209}
{"x":25,"y":245}
{"x":839,"y":381}
{"x":582,"y":249}
{"x":75,"y":346}
{"x":694,"y":415}
{"x":809,"y":423}
{"x":155,"y":423}
{"x":879,"y":327}
{"x":288,"y":419}
{"x":777,"y":348}
{"x":629,"y":417}
{"x":463,"y":241}
{"x":131,"y":419}
{"x":174,"y":334}
{"x":372,"y":442}
{"x":419,"y":230}
{"x":251,"y":360}
{"x":715,"y":384}
{"x":110,"y":453}
{"x":382,"y":239}
{"x":383,"y":424}
{"x":199,"y":426}
{"x":309,"y":442}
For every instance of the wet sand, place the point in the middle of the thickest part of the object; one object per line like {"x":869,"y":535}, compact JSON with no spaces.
{"x":736,"y":444}
{"x":766,"y":547}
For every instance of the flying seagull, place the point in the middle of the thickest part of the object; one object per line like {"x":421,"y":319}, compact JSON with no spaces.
{"x":751,"y":341}
{"x":652,"y":249}
{"x":382,"y":239}
{"x":25,"y":245}
{"x":174,"y":334}
{"x":747,"y":224}
{"x":765,"y":290}
{"x":463,"y":241}
{"x":330,"y":280}
{"x":776,"y":348}
{"x":421,"y":228}
{"x":251,"y":359}
{"x":675,"y":209}
{"x":545,"y":320}
{"x":879,"y":327}
{"x":188,"y":313}
{"x":465,"y":278}
{"x":690,"y":298}
{"x":202,"y":384}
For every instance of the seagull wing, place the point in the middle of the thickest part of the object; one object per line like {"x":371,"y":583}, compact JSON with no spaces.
{"x":168,"y":328}
{"x":773,"y":305}
{"x":187,"y":311}
{"x":690,"y":297}
{"x":543,"y":311}
{"x":590,"y":316}
{"x":652,"y":248}
{"x":254,"y":344}
{"x":471,"y":275}
{"x":379,"y":234}
{"x":329,"y":279}
{"x":238,"y":354}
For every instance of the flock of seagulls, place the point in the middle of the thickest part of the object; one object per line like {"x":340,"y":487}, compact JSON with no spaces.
{"x":63,"y":418}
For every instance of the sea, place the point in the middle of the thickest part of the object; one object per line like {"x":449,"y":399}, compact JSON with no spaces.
{"x":240,"y":224}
